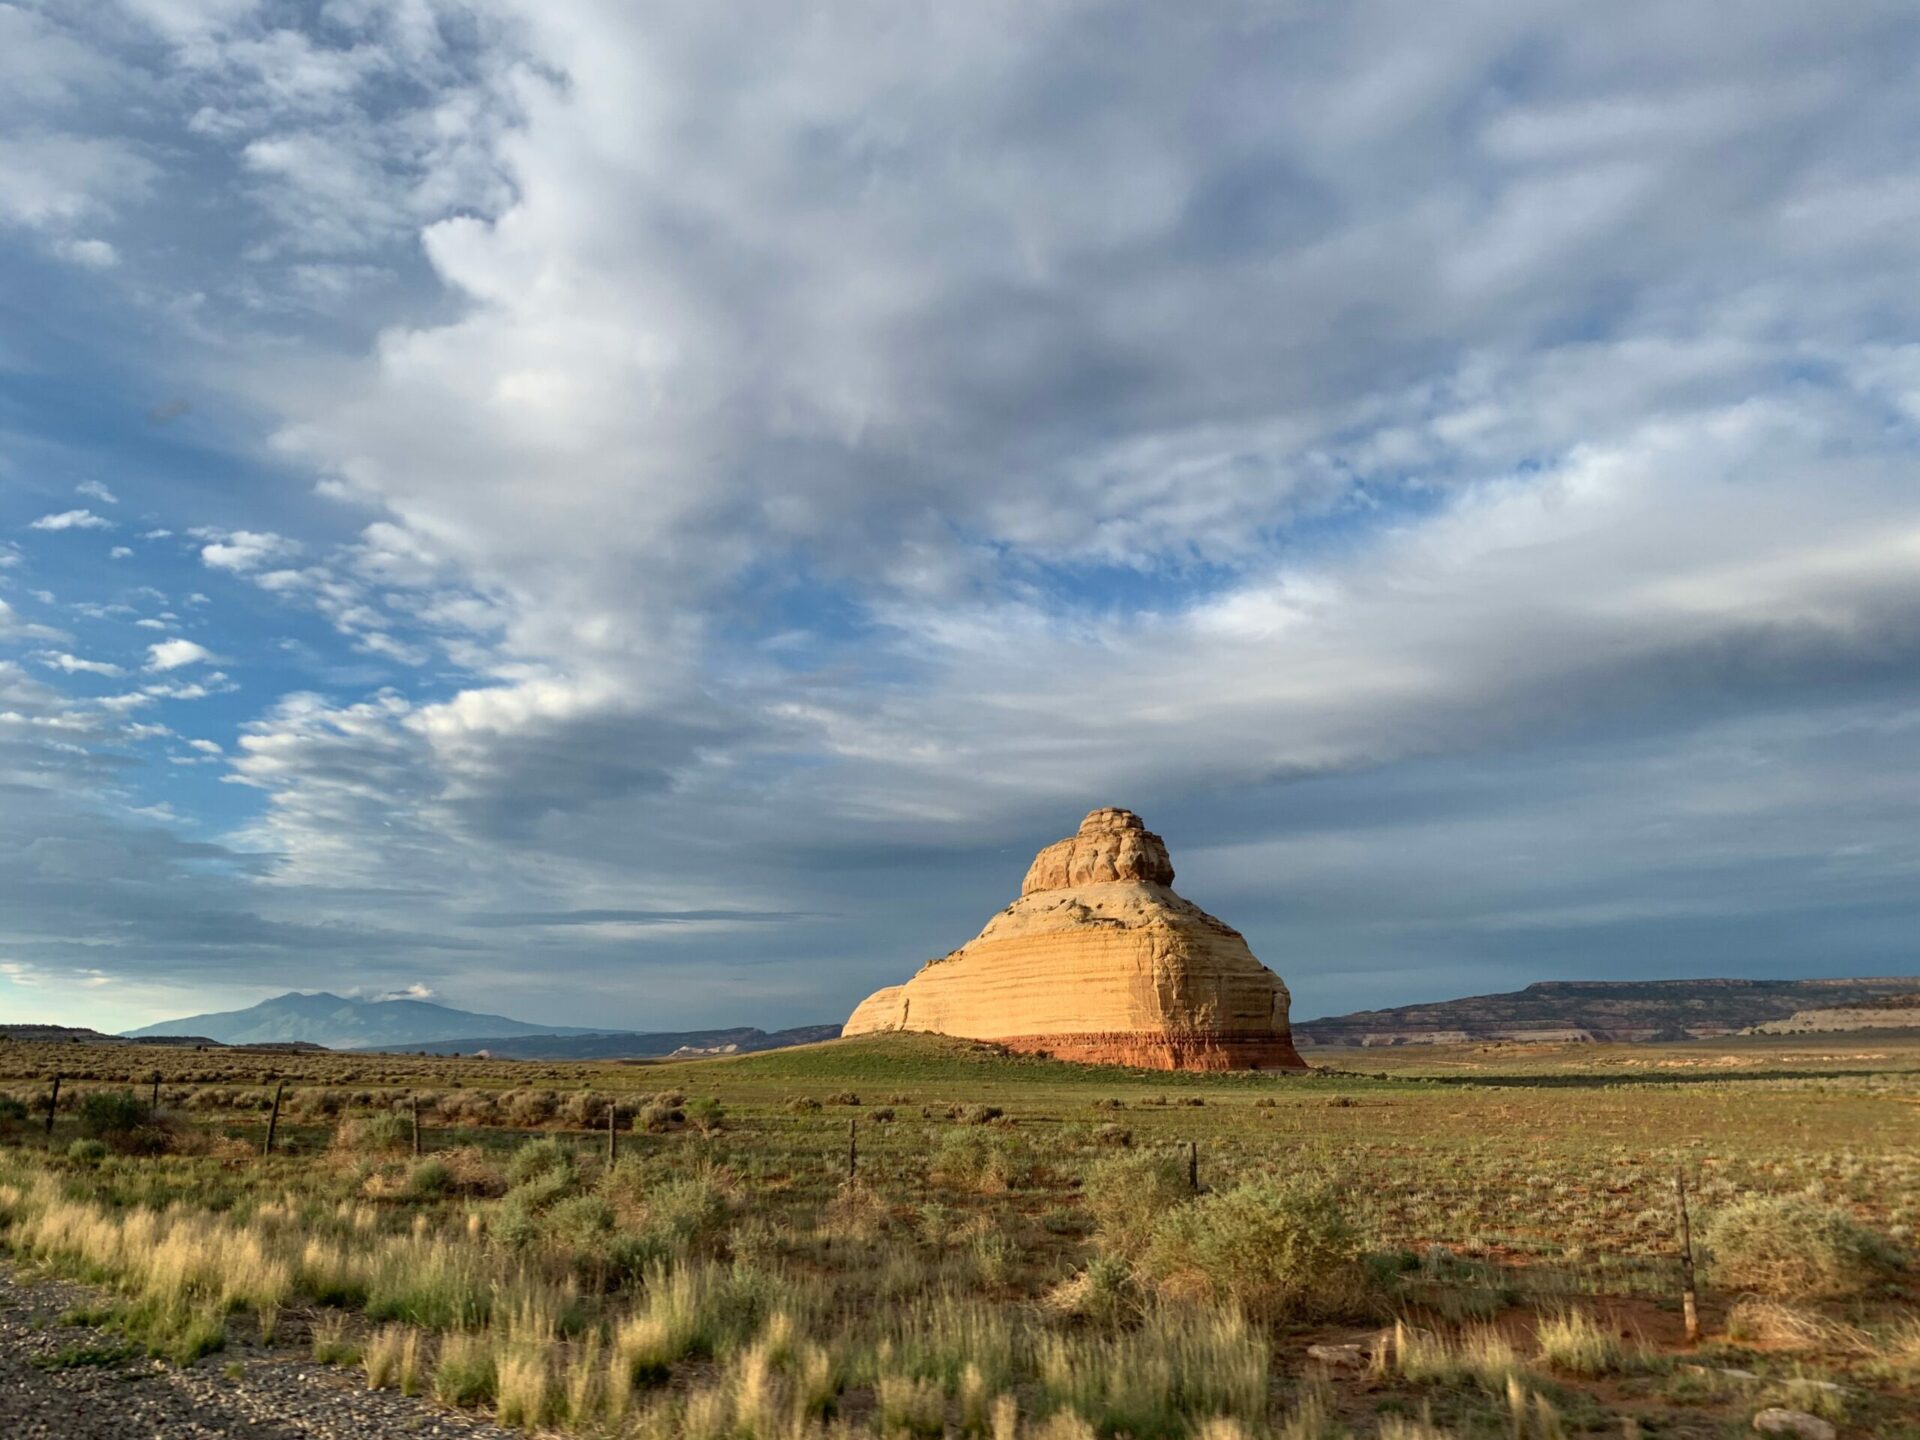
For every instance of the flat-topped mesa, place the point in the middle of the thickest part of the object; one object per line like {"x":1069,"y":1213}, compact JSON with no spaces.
{"x":1099,"y":960}
{"x":1111,"y":845}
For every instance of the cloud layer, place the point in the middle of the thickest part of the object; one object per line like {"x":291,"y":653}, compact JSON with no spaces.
{"x":700,"y":502}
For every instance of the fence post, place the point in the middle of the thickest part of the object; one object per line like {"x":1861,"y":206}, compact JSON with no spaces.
{"x":153,"y":1105}
{"x":415,"y":1099}
{"x":853,"y":1145}
{"x":52,"y":1100}
{"x":1689,"y":1301}
{"x":613,"y":1130}
{"x":1193,"y":1166}
{"x":273,"y":1119}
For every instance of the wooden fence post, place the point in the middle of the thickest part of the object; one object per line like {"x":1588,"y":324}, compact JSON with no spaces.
{"x":613,"y":1131}
{"x":853,"y":1145}
{"x":153,"y":1105}
{"x":1689,"y":1301}
{"x":416,"y":1125}
{"x":52,"y":1100}
{"x":1193,"y":1166}
{"x":273,"y":1120}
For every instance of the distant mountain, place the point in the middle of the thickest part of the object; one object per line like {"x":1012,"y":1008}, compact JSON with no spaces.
{"x":1605,"y":1010}
{"x":81,"y":1035}
{"x":624,"y":1045}
{"x":342,"y":1024}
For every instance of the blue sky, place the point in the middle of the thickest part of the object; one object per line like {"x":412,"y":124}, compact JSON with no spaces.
{"x":623,"y":514}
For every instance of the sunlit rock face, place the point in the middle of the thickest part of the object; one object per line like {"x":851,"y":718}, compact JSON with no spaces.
{"x":1098,"y":960}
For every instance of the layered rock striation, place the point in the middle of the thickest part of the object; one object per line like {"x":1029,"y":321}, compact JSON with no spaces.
{"x":1099,"y":960}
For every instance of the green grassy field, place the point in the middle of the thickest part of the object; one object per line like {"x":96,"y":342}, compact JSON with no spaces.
{"x":1019,"y":1249}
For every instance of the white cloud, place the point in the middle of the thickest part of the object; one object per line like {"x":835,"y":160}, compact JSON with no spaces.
{"x":51,"y":181}
{"x":71,"y":520}
{"x":11,"y":625}
{"x":74,"y":665}
{"x":241,"y":551}
{"x":120,"y":552}
{"x":845,"y":435}
{"x":90,"y":254}
{"x":95,"y":490}
{"x":174,"y":653}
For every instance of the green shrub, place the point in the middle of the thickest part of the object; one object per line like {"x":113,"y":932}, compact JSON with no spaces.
{"x":685,"y":1214}
{"x":429,"y":1179}
{"x":109,"y":1112}
{"x":579,"y":1221}
{"x":387,"y":1133}
{"x":122,"y":1122}
{"x":87,"y":1152}
{"x":980,"y":1160}
{"x":1789,"y":1247}
{"x":1277,"y":1250}
{"x":1128,"y":1194}
{"x":539,"y":1158}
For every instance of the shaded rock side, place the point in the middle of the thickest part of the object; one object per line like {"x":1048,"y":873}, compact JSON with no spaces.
{"x":1099,"y":960}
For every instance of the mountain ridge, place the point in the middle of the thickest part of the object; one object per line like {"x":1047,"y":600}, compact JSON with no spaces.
{"x":343,"y":1023}
{"x":1601,"y":1010}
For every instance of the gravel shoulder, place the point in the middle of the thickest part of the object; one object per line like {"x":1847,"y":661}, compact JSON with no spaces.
{"x":75,"y":1382}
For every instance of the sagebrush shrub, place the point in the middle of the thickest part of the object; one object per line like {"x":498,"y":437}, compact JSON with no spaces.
{"x":1793,"y":1248}
{"x":537,"y":1158}
{"x":1128,"y":1194}
{"x":1275,"y":1249}
{"x":982,"y":1160}
{"x":121,"y":1121}
{"x":387,"y":1133}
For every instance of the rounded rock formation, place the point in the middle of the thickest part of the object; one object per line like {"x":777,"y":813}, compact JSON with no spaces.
{"x":1098,"y":960}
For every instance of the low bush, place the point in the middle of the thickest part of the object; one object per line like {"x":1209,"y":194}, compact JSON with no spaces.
{"x":980,"y":1160}
{"x":657,"y":1116}
{"x":1277,"y":1250}
{"x":429,"y":1179}
{"x":87,"y":1152}
{"x":1792,"y":1248}
{"x":121,"y":1121}
{"x":1128,"y":1195}
{"x":538,"y":1158}
{"x":387,"y":1133}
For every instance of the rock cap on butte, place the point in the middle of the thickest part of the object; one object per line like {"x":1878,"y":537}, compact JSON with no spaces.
{"x":1100,"y":960}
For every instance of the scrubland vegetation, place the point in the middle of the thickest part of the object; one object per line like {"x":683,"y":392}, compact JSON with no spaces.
{"x":914,"y":1237}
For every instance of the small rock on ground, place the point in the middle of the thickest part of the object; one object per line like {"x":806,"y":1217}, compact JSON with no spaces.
{"x":1776,"y":1421}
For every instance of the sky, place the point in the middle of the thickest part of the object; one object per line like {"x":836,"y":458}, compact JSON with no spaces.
{"x":649,"y":514}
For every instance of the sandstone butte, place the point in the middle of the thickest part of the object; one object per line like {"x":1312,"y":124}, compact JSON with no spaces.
{"x":1098,"y":960}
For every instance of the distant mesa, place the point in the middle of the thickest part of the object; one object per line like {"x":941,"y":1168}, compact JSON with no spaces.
{"x":1099,"y":961}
